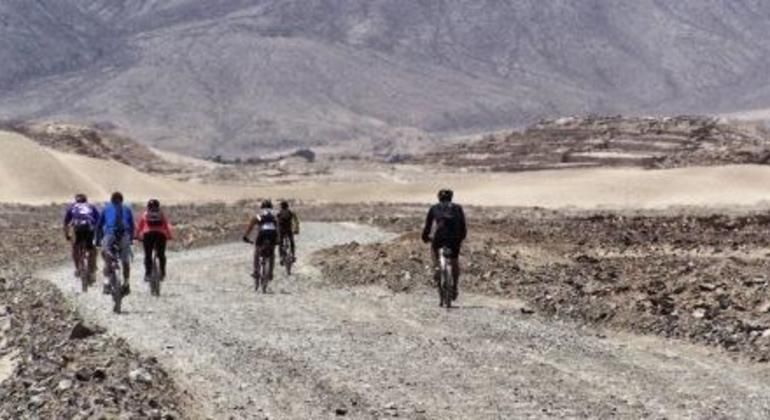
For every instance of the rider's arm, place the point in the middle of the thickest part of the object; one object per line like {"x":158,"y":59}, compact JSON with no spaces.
{"x":294,"y":223}
{"x":253,"y":222}
{"x":428,"y":226}
{"x":131,"y":225}
{"x":167,"y":228}
{"x":67,"y":221}
{"x":141,"y":226}
{"x":463,"y":228}
{"x":100,"y":227}
{"x":96,"y":212}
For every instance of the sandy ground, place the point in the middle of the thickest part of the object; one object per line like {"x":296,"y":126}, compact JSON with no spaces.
{"x":309,"y":351}
{"x":35,"y":175}
{"x":762,"y":114}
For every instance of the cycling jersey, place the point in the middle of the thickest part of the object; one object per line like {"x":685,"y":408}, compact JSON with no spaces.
{"x":81,"y":215}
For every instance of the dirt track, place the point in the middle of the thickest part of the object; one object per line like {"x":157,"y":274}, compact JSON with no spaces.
{"x":309,"y":351}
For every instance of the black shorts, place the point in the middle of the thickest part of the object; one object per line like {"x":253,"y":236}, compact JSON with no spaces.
{"x":453,"y":247}
{"x":84,"y":235}
{"x":267,"y":238}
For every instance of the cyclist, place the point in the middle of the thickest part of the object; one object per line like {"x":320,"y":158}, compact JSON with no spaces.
{"x":116,"y":227}
{"x":154,"y":230}
{"x":288,"y":226}
{"x":447,"y":222}
{"x":267,"y":236}
{"x":82,"y":217}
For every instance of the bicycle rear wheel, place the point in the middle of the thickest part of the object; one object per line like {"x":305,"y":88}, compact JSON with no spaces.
{"x":83,"y":268}
{"x":155,"y":278}
{"x":116,"y":289}
{"x":265,"y":273}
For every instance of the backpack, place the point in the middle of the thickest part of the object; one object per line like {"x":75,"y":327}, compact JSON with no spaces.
{"x":154,"y":218}
{"x":447,"y":220}
{"x":267,"y":221}
{"x":82,"y":215}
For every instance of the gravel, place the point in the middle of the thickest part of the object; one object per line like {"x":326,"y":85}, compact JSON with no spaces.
{"x":313,"y":351}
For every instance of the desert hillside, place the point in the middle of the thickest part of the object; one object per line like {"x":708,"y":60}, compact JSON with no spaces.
{"x":36,"y":173}
{"x":244,"y":77}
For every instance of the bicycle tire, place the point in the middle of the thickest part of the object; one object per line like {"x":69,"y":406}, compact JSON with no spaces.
{"x":83,"y":270}
{"x":264,"y":273}
{"x":155,"y":278}
{"x":116,"y":289}
{"x":257,"y":271}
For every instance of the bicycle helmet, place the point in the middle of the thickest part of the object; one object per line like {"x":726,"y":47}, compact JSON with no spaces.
{"x":153,"y":204}
{"x":116,"y":198}
{"x":81,"y":198}
{"x":285,"y":205}
{"x":267,"y":204}
{"x":445,"y":195}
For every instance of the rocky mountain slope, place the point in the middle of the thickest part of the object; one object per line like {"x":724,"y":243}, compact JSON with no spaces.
{"x":243,"y":77}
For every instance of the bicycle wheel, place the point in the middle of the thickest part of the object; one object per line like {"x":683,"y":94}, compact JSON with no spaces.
{"x":257,"y":271}
{"x":155,"y":278}
{"x":264,"y":273}
{"x":83,"y":269}
{"x":447,"y":284}
{"x":116,"y":289}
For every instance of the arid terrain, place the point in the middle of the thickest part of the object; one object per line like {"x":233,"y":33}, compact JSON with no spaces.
{"x":588,"y":286}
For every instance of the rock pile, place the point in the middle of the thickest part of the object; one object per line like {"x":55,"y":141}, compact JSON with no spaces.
{"x":703,"y":278}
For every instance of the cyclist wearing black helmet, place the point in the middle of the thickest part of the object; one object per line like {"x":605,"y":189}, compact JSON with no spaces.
{"x":288,"y":226}
{"x":446,"y":220}
{"x":267,"y":234}
{"x":154,"y":230}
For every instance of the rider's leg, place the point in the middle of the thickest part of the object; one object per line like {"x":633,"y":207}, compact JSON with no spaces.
{"x":76,"y":255}
{"x":160,"y":247}
{"x":90,"y":250}
{"x":255,"y":270}
{"x":125,"y":257}
{"x":148,"y":243}
{"x":291,"y":242}
{"x":281,"y":251}
{"x":434,"y":249}
{"x":107,"y":256}
{"x":271,"y":264}
{"x":455,"y":271}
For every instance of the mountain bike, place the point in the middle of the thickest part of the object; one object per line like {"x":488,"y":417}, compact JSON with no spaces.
{"x":287,"y":257}
{"x":446,"y":278}
{"x":264,"y":257}
{"x":82,"y":266}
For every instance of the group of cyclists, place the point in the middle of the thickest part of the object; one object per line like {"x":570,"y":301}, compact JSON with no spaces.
{"x":113,"y":230}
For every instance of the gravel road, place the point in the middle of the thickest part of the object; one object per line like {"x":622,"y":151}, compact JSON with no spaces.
{"x":310,"y":351}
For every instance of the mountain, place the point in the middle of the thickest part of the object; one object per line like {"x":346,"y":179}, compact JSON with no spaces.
{"x":245,"y":77}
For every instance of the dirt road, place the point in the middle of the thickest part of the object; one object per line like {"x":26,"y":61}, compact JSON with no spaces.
{"x":312,"y":351}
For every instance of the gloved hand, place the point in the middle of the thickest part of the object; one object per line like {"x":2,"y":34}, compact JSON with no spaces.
{"x":69,"y":237}
{"x":246,"y":239}
{"x":426,"y":238}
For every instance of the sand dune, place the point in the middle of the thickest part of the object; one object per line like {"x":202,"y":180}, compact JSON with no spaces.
{"x":743,"y":185}
{"x":35,"y":175}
